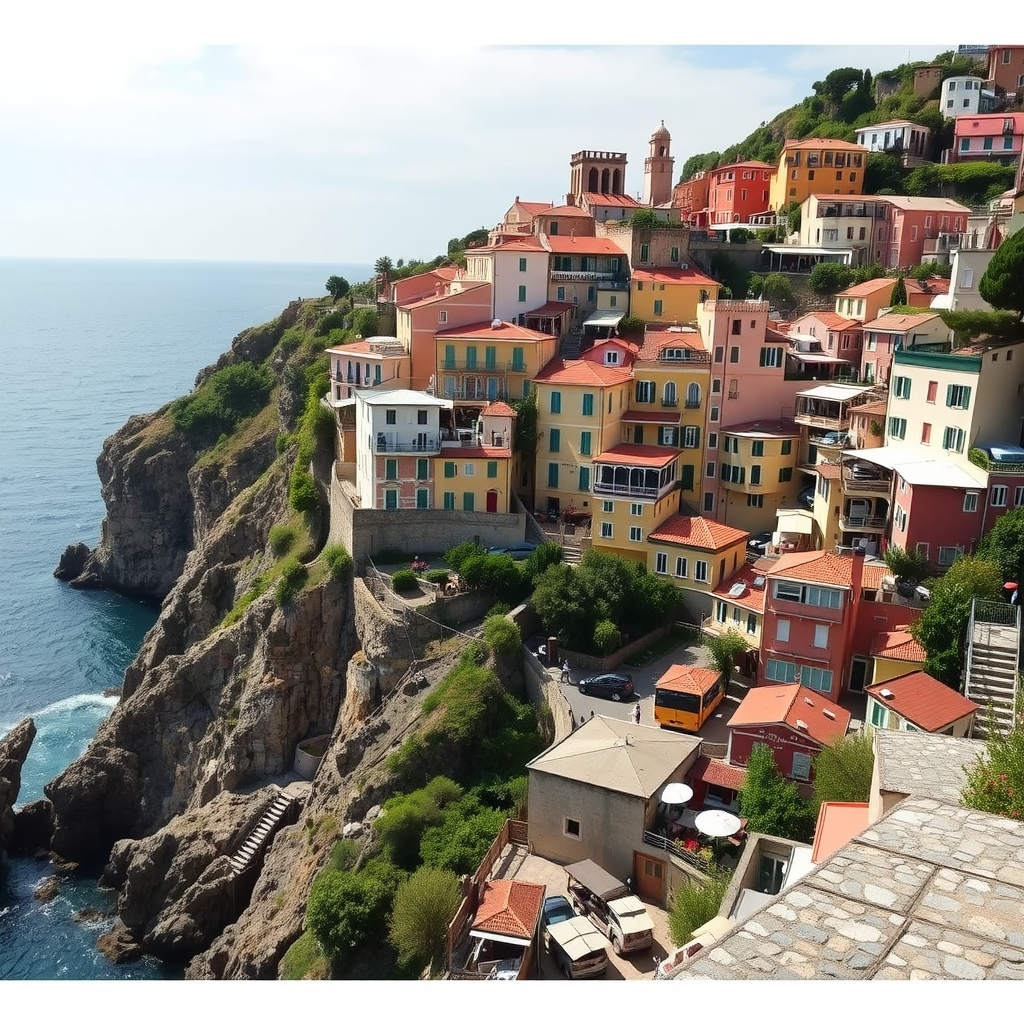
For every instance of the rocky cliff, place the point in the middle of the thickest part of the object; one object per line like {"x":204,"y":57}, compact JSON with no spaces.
{"x":14,"y":748}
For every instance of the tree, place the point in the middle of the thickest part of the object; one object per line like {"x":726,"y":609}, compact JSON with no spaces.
{"x":995,"y":782}
{"x":1004,"y":545}
{"x":696,"y":903}
{"x":1002,"y":284}
{"x":829,"y":278}
{"x":909,"y":567}
{"x":770,"y":803}
{"x":337,"y":287}
{"x":384,"y":268}
{"x":364,"y":321}
{"x":968,"y":324}
{"x":644,"y":218}
{"x":941,"y":628}
{"x":898,"y":296}
{"x":424,"y":905}
{"x":724,"y":651}
{"x":842,"y":771}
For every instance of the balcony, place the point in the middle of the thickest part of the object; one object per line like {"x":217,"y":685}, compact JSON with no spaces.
{"x":672,"y":403}
{"x":476,"y":394}
{"x":691,"y":405}
{"x":618,"y":284}
{"x":424,"y":443}
{"x":627,"y":490}
{"x":474,"y":366}
{"x":855,"y":485}
{"x":876,"y":524}
{"x":684,"y":355}
{"x":582,"y":275}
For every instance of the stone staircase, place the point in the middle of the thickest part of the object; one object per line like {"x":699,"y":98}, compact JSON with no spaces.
{"x":993,"y":659}
{"x":259,"y":838}
{"x":571,"y":344}
{"x":571,"y":551}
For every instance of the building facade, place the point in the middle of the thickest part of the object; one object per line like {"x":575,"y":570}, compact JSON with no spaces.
{"x":738,"y":191}
{"x":816,"y":166}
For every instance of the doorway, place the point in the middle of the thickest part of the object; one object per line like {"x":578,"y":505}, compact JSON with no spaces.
{"x":650,"y":875}
{"x":492,"y":501}
{"x":858,"y":674}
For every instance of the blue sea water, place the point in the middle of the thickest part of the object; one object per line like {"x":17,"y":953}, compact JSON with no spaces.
{"x":84,"y":345}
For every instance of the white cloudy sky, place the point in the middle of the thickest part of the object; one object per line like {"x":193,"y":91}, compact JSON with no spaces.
{"x":130,"y":139}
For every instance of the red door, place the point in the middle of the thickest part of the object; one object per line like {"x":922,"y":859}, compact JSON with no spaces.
{"x":492,"y":501}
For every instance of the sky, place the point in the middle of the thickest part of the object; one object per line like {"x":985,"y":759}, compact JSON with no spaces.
{"x":215,"y":135}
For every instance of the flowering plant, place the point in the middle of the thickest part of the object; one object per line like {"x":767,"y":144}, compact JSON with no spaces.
{"x":995,"y":782}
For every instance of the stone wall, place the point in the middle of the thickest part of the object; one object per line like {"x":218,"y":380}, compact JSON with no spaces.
{"x":616,"y":658}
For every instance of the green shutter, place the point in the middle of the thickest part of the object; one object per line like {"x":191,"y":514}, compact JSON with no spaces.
{"x":422,"y":469}
{"x":556,"y":401}
{"x":588,"y":405}
{"x":492,"y":469}
{"x":554,"y":439}
{"x":584,"y":478}
{"x":449,"y":469}
{"x":490,"y":357}
{"x":517,"y":359}
{"x":967,"y":398}
{"x":467,"y":501}
{"x":552,"y":474}
{"x":522,"y":293}
{"x":391,"y":498}
{"x":949,"y":394}
{"x":449,"y":357}
{"x":421,"y":497}
{"x":755,"y":474}
{"x":449,"y":500}
{"x":687,"y":482}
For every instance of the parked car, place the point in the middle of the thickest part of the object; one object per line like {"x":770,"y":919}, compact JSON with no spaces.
{"x":616,"y":685}
{"x":519,"y":552}
{"x":806,"y":497}
{"x":577,"y":947}
{"x":556,"y":909}
{"x":758,"y":544}
{"x":611,"y":906}
{"x":865,"y":471}
{"x":832,"y":438}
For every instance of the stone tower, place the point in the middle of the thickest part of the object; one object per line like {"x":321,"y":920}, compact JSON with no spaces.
{"x":658,"y":168}
{"x":592,"y":170}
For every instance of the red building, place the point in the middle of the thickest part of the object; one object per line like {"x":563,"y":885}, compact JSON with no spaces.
{"x":1006,"y":68}
{"x":793,"y":721}
{"x":738,"y":191}
{"x":691,"y":199}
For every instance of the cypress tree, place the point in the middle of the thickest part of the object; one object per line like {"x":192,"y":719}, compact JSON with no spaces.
{"x":899,"y":293}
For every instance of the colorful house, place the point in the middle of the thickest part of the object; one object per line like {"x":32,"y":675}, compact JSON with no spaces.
{"x":816,"y":165}
{"x":996,"y":138}
{"x":896,"y":332}
{"x":739,"y":604}
{"x":691,"y":199}
{"x":794,"y":721}
{"x":838,"y":335}
{"x":895,"y":653}
{"x":670,"y":295}
{"x":924,"y":229}
{"x":909,"y":140}
{"x":517,"y":272}
{"x":1006,"y":68}
{"x":584,"y":269}
{"x":738,"y":191}
{"x":917,"y":702}
{"x":697,"y":554}
{"x":379,"y":362}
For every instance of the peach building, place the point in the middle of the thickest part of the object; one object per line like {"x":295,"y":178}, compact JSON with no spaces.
{"x":738,"y":191}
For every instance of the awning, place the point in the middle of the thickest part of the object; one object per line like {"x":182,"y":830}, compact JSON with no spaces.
{"x":833,"y":392}
{"x":816,"y":357}
{"x":603,"y":320}
{"x":551,"y":309}
{"x":512,"y":940}
{"x":794,"y":521}
{"x":808,"y":250}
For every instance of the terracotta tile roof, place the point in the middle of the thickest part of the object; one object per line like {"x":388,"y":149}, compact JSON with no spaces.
{"x":499,"y":409}
{"x":531,"y":243}
{"x":788,"y":704}
{"x":911,"y":203}
{"x":446,"y":273}
{"x":509,"y":907}
{"x":830,"y":319}
{"x":673,"y":275}
{"x":752,"y":597}
{"x":745,"y":163}
{"x":607,"y":199}
{"x":582,"y":371}
{"x":923,"y":700}
{"x":688,"y":679}
{"x":828,"y":470}
{"x":873,"y":573}
{"x":898,"y":322}
{"x":823,"y":144}
{"x":479,"y":451}
{"x":697,"y":532}
{"x":467,"y":287}
{"x":655,"y":342}
{"x":566,"y":211}
{"x":356,"y":346}
{"x":765,"y":428}
{"x":717,"y":773}
{"x":859,"y":291}
{"x":533,"y":208}
{"x":506,"y":332}
{"x":936,"y":286}
{"x":649,"y":455}
{"x":871,"y":409}
{"x":837,"y":824}
{"x":815,"y":567}
{"x":582,"y":244}
{"x":640,"y":416}
{"x":898,"y":645}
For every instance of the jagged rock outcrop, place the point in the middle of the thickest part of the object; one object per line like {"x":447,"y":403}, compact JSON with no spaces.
{"x":14,"y":748}
{"x":33,"y":826}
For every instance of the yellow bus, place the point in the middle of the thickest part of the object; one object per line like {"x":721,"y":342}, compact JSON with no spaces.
{"x":685,"y":697}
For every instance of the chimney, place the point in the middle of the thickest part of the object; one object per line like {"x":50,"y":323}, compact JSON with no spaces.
{"x":857,"y":572}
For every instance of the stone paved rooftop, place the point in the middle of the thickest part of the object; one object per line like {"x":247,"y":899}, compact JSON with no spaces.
{"x":924,"y":764}
{"x":932,"y":890}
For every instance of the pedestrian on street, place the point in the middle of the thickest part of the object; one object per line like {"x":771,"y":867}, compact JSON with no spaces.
{"x":636,"y":713}
{"x":565,"y":671}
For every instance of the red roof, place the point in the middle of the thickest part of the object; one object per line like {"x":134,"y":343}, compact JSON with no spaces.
{"x":857,"y":291}
{"x":823,"y":144}
{"x":479,"y":451}
{"x":674,"y":275}
{"x":817,"y":566}
{"x":936,"y":286}
{"x":745,"y":163}
{"x":828,"y":470}
{"x":509,"y":907}
{"x":640,"y":416}
{"x":583,"y":244}
{"x":552,"y":309}
{"x":717,"y":773}
{"x":532,"y":208}
{"x":752,"y":597}
{"x":837,"y":824}
{"x":898,"y":645}
{"x":831,"y":320}
{"x":499,"y":409}
{"x":506,"y":332}
{"x":655,"y":342}
{"x":567,"y":211}
{"x":922,"y":700}
{"x":765,"y":428}
{"x":790,"y":704}
{"x":688,"y":679}
{"x":897,"y":323}
{"x":987,"y":124}
{"x":697,"y":532}
{"x":581,"y":371}
{"x":531,"y":243}
{"x":608,"y":199}
{"x":649,"y":455}
{"x":467,"y":287}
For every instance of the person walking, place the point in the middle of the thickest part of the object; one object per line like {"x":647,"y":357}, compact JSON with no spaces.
{"x":565,"y":671}
{"x":636,"y":713}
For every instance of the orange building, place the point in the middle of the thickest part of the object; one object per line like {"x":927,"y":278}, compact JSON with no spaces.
{"x":1006,"y":68}
{"x":816,"y":166}
{"x":691,"y":199}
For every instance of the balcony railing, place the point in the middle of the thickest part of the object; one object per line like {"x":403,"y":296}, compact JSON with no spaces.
{"x":688,"y":356}
{"x":618,"y":284}
{"x":671,"y":403}
{"x":853,"y":484}
{"x":465,"y":394}
{"x":477,"y":367}
{"x":691,"y":405}
{"x":626,"y":491}
{"x":847,"y":522}
{"x":427,"y":444}
{"x":581,"y":275}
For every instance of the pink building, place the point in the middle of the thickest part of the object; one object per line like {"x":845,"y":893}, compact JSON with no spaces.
{"x":923,"y":226}
{"x":691,"y":199}
{"x":839,"y":335}
{"x":422,"y":286}
{"x":738,"y":191}
{"x":896,"y":332}
{"x":993,"y":137}
{"x":1006,"y":68}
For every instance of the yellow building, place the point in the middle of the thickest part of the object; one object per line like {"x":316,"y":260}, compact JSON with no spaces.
{"x":895,"y":654}
{"x":818,"y":167}
{"x":489,"y":361}
{"x":669,"y":295}
{"x":697,"y":554}
{"x":758,"y":473}
{"x":739,"y":605}
{"x":828,"y":500}
{"x":580,"y":404}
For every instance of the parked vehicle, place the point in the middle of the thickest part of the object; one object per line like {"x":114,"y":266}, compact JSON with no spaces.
{"x":556,"y":910}
{"x":758,"y":544}
{"x":577,"y":947}
{"x":832,"y":438}
{"x":806,"y":497}
{"x":682,"y":705}
{"x":616,"y":685}
{"x":611,"y":906}
{"x":519,"y":552}
{"x":865,"y":471}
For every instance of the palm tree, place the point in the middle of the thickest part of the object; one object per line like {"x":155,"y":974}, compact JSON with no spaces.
{"x":384,"y":268}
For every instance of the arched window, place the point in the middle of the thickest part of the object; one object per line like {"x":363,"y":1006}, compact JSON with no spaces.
{"x":592,"y":180}
{"x":670,"y":393}
{"x":616,"y":183}
{"x":693,"y":396}
{"x":604,"y":180}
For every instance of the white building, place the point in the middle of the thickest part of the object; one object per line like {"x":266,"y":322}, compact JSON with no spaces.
{"x":517,"y":272}
{"x":395,"y":430}
{"x":968,"y":266}
{"x":964,"y":94}
{"x":910,"y":138}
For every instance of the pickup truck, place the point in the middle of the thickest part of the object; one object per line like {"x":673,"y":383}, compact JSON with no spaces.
{"x":615,"y":911}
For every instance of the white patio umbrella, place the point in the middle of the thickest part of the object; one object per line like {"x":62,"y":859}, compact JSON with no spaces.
{"x":676,"y":793}
{"x":717,"y":824}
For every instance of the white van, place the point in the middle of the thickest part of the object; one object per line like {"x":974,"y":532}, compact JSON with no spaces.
{"x":610,"y":905}
{"x":578,"y":948}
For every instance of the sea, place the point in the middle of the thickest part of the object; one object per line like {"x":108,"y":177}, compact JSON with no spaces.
{"x":85,"y":344}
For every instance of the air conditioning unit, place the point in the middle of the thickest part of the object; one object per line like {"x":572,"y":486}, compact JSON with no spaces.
{"x":684,"y":266}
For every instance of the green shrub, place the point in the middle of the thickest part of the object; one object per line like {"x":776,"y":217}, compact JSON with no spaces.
{"x":284,"y":442}
{"x":339,"y":561}
{"x":404,"y":579}
{"x":333,"y":320}
{"x":302,"y":494}
{"x":439,"y":577}
{"x":607,"y":637}
{"x":474,"y":653}
{"x":423,"y":908}
{"x":474,"y":569}
{"x":303,"y":959}
{"x":829,"y":278}
{"x":498,"y":608}
{"x":293,"y":578}
{"x":258,"y":589}
{"x":545,"y":554}
{"x":225,"y":399}
{"x":344,"y":855}
{"x":696,"y":903}
{"x":502,"y":635}
{"x":630,"y":323}
{"x":282,"y":539}
{"x":457,"y":555}
{"x":364,"y":321}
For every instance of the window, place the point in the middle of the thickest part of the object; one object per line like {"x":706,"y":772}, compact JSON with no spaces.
{"x":554,"y":439}
{"x":584,"y":478}
{"x":737,"y":326}
{"x":442,"y":316}
{"x":901,"y":387}
{"x":422,"y":469}
{"x":607,"y":506}
{"x":692,"y":394}
{"x":636,"y":534}
{"x":449,"y":500}
{"x":645,"y":391}
{"x":421,"y":417}
{"x":897,"y":427}
{"x":899,"y":517}
{"x":712,"y":441}
{"x":816,"y":678}
{"x":709,"y":500}
{"x":391,"y":469}
{"x":468,"y":469}
{"x":556,"y":401}
{"x":971,"y":501}
{"x":661,"y":562}
{"x":998,"y":499}
{"x":700,"y":571}
{"x":710,"y":470}
{"x":517,"y":360}
{"x":606,"y":530}
{"x":522,"y":293}
{"x":734,"y":354}
{"x":490,"y":357}
{"x":588,"y":405}
{"x":389,"y":417}
{"x":757,"y":449}
{"x":719,"y":353}
{"x":958,"y":396}
{"x":391,"y":498}
{"x":450,"y":469}
{"x":1006,"y":56}
{"x":658,"y":306}
{"x":926,"y":433}
{"x":422,"y":498}
{"x":755,"y":500}
{"x":782,"y":630}
{"x":879,"y":715}
{"x":492,"y":469}
{"x":933,"y":389}
{"x":771,"y":356}
{"x":1018,"y":497}
{"x":714,"y":414}
{"x":987,"y":143}
{"x":691,"y":437}
{"x":668,"y":436}
{"x":681,"y":568}
{"x":801,"y":766}
{"x":947,"y":556}
{"x":635,"y":508}
{"x":522,"y":264}
{"x":755,"y":475}
{"x":720,"y":611}
{"x":953,"y":439}
{"x":780,"y":671}
{"x":965,"y":144}
{"x":645,"y":253}
{"x":584,"y":442}
{"x":821,"y":635}
{"x":572,"y":828}
{"x":552,"y":474}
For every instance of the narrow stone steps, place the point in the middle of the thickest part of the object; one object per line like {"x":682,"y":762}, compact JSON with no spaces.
{"x":258,"y":838}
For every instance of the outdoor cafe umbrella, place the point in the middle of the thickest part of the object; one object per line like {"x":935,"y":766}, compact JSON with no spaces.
{"x":676,"y":793}
{"x":717,"y":824}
